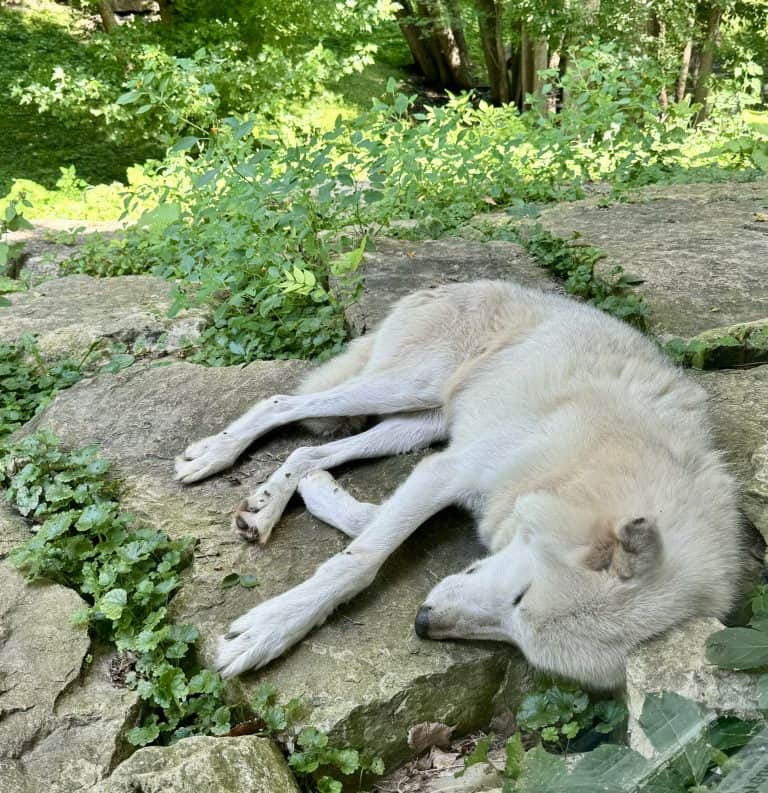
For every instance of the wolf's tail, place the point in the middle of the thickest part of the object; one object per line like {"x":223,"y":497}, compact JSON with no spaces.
{"x":332,"y":373}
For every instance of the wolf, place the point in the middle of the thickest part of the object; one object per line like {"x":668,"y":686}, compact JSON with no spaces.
{"x":584,"y":455}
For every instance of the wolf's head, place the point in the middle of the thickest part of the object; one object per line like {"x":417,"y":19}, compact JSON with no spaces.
{"x":577,"y":602}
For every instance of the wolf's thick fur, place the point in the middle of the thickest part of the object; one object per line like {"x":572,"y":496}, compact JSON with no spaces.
{"x":585,"y":456}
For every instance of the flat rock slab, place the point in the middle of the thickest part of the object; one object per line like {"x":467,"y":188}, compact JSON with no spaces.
{"x":398,"y":267}
{"x":702,"y":250}
{"x":739,"y":407}
{"x":51,"y":241}
{"x":204,"y":765}
{"x":72,"y":313}
{"x":61,"y":726}
{"x":365,"y":675}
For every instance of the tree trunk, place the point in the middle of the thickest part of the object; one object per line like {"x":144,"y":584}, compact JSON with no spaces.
{"x":417,"y":44}
{"x":525,"y":66}
{"x":706,"y":61}
{"x":540,"y":61}
{"x":166,"y":11}
{"x":454,"y":71}
{"x":439,"y":49}
{"x":657,"y":28}
{"x":457,"y":29}
{"x":555,"y":62}
{"x":491,"y":23}
{"x":685,"y":65}
{"x":107,"y":14}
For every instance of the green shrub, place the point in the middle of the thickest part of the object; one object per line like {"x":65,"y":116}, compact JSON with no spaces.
{"x":194,"y":72}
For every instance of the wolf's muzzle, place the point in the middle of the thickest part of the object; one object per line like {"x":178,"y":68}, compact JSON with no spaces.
{"x":421,"y":625}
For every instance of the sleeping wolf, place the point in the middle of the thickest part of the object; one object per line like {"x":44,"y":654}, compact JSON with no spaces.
{"x":584,"y":455}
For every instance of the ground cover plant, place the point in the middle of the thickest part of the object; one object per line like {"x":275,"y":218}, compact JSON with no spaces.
{"x":28,"y":383}
{"x":127,"y":573}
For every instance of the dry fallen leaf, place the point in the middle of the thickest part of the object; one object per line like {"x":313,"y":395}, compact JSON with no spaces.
{"x":442,"y":760}
{"x":760,"y":217}
{"x":247,"y":728}
{"x":428,"y":734}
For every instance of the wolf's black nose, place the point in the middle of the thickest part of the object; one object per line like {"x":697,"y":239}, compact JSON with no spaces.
{"x":421,"y":626}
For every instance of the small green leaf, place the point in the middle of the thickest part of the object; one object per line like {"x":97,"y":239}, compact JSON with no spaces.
{"x":128,"y":97}
{"x":184,"y":144}
{"x":148,"y":732}
{"x":514,"y":752}
{"x":112,"y":604}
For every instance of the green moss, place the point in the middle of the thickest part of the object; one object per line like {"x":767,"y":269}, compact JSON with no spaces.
{"x":734,"y":346}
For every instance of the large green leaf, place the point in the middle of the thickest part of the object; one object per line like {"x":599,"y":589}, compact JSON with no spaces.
{"x":541,"y":772}
{"x":677,"y":728}
{"x":738,"y":648}
{"x":608,"y":769}
{"x":750,"y":772}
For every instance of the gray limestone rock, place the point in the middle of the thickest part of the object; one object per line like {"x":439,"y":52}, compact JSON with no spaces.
{"x":204,"y":765}
{"x":62,"y":721}
{"x":72,"y":313}
{"x":739,"y":406}
{"x":50,"y":241}
{"x":398,"y":267}
{"x":699,"y":249}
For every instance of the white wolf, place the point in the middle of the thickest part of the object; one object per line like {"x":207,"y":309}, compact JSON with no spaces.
{"x":583,"y":453}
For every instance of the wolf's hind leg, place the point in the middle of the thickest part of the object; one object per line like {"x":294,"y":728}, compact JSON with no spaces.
{"x":391,"y":391}
{"x":339,"y":369}
{"x":257,"y":515}
{"x":327,"y":500}
{"x":268,"y":630}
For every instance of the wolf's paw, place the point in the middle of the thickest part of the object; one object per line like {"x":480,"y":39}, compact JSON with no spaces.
{"x":257,"y":515}
{"x":206,"y":457}
{"x":253,"y":640}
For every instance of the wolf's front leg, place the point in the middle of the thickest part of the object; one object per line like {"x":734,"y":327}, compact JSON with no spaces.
{"x":217,"y":452}
{"x":268,"y":630}
{"x":257,"y":515}
{"x":377,"y":394}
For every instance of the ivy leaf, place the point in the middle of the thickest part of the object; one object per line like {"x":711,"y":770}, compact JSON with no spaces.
{"x":304,"y":762}
{"x":346,"y":760}
{"x":148,"y":732}
{"x":312,"y":738}
{"x":327,"y":785}
{"x":112,"y":604}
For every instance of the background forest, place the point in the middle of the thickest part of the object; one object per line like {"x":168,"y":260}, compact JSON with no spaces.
{"x":243,"y":138}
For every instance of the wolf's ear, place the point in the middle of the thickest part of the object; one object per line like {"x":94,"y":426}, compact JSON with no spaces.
{"x":632,"y":550}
